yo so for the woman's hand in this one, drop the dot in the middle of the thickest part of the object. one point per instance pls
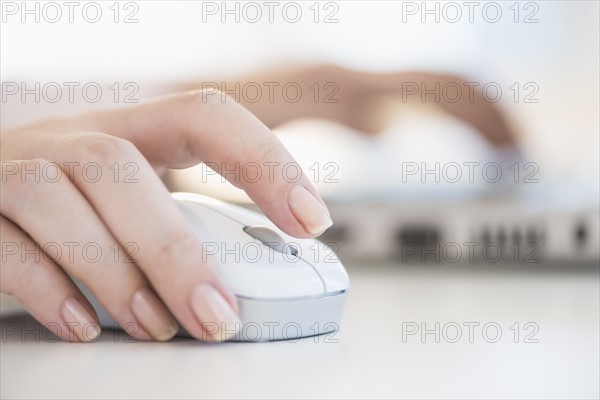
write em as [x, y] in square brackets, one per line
[351, 97]
[83, 196]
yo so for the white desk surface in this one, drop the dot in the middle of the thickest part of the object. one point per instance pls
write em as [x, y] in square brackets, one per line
[369, 359]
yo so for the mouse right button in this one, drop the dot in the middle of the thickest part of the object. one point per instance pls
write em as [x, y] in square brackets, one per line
[328, 266]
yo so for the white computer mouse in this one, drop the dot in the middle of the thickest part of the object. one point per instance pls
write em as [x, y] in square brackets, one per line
[287, 288]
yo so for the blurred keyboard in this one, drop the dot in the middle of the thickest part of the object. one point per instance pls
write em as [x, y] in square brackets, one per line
[494, 231]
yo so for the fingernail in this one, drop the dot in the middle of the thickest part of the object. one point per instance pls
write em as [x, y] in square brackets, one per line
[153, 315]
[79, 319]
[313, 216]
[218, 318]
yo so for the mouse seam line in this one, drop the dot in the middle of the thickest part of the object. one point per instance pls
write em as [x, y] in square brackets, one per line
[301, 298]
[316, 272]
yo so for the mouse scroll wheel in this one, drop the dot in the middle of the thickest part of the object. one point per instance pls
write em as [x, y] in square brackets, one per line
[270, 238]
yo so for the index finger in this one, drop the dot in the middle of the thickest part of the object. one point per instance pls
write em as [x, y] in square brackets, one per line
[184, 129]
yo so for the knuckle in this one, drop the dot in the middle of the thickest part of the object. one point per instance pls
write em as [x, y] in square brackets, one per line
[103, 149]
[204, 100]
[175, 246]
[268, 151]
[33, 272]
[206, 97]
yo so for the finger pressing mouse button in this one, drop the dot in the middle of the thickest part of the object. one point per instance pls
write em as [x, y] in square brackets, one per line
[270, 238]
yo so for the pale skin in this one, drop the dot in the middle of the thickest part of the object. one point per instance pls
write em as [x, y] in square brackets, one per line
[165, 280]
[351, 98]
